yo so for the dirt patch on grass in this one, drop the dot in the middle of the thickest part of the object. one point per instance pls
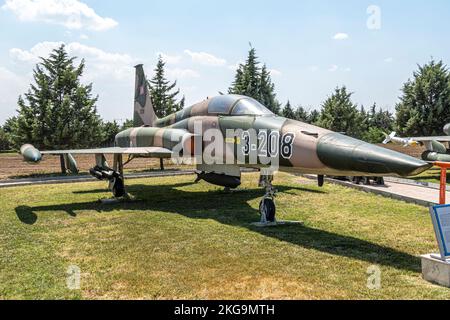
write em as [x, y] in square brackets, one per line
[12, 166]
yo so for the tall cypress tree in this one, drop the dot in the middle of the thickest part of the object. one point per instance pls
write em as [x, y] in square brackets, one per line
[58, 111]
[255, 81]
[161, 89]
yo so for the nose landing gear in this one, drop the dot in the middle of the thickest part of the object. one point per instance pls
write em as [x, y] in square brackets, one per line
[267, 208]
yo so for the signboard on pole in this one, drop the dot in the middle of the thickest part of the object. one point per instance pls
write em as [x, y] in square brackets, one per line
[440, 215]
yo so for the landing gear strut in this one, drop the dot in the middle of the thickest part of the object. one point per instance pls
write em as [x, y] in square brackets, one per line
[267, 207]
[114, 175]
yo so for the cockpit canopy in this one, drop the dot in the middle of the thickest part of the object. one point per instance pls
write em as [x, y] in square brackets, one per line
[236, 105]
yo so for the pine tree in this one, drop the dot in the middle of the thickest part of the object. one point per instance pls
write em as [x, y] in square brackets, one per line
[267, 94]
[254, 81]
[301, 114]
[237, 87]
[163, 96]
[288, 112]
[109, 132]
[379, 122]
[313, 117]
[127, 124]
[424, 106]
[4, 140]
[57, 111]
[340, 114]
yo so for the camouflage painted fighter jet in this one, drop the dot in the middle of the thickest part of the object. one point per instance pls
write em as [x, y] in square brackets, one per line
[437, 147]
[229, 132]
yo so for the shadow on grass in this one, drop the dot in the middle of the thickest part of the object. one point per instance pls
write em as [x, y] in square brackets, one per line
[233, 209]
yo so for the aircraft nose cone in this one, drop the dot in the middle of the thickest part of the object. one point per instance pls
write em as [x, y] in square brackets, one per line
[341, 152]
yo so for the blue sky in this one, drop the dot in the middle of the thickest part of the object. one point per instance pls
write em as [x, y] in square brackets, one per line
[310, 46]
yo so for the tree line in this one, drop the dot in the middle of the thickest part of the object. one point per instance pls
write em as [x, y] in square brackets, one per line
[59, 111]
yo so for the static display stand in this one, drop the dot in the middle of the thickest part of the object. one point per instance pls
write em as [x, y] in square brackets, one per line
[440, 215]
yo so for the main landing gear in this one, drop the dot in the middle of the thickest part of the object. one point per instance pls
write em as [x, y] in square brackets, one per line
[114, 175]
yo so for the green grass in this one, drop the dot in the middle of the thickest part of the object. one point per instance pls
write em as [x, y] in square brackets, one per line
[431, 175]
[185, 240]
[7, 153]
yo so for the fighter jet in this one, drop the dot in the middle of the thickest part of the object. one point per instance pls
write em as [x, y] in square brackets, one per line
[436, 147]
[226, 133]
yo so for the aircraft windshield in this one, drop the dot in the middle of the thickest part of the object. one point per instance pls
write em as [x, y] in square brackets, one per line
[248, 106]
[222, 104]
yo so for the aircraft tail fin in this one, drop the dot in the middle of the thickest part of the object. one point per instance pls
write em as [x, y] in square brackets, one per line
[144, 113]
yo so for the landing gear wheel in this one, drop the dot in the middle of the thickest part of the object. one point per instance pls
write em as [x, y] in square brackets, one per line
[267, 209]
[118, 188]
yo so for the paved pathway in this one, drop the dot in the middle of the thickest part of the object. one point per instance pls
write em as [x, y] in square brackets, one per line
[401, 189]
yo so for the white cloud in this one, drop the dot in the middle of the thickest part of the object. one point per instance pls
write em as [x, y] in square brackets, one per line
[389, 60]
[99, 63]
[313, 68]
[169, 59]
[341, 36]
[84, 36]
[71, 14]
[333, 68]
[347, 69]
[11, 86]
[178, 73]
[205, 58]
[42, 49]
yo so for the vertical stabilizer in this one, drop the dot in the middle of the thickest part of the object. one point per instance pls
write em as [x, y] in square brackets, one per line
[144, 114]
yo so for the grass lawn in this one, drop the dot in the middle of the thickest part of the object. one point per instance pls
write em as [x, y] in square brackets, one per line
[185, 240]
[431, 175]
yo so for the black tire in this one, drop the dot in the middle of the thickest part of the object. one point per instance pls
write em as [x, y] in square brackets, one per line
[267, 207]
[118, 188]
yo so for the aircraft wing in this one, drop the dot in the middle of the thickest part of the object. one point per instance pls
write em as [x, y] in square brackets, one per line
[155, 152]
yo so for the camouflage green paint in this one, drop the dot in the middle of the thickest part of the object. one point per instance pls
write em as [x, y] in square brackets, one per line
[315, 150]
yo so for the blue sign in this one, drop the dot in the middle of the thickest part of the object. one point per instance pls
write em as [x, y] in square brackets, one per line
[440, 215]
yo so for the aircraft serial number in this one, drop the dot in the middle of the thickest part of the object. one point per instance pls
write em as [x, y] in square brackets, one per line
[268, 144]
